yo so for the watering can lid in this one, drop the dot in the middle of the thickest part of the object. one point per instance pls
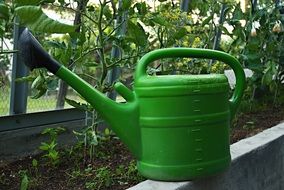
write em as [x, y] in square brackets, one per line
[181, 80]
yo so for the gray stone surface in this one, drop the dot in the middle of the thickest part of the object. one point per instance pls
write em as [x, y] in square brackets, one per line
[257, 164]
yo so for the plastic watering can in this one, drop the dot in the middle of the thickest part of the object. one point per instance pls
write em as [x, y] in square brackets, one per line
[176, 126]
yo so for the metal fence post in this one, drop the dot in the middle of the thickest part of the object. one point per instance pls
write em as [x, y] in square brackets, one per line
[19, 90]
[114, 73]
[218, 33]
[217, 38]
[184, 5]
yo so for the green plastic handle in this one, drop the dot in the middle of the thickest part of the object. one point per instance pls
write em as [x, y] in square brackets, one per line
[198, 53]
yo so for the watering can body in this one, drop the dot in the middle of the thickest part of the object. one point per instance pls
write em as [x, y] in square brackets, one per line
[185, 119]
[184, 123]
[176, 126]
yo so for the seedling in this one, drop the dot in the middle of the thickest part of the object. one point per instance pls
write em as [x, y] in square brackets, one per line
[49, 147]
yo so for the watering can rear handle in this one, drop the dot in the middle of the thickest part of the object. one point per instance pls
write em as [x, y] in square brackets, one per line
[198, 53]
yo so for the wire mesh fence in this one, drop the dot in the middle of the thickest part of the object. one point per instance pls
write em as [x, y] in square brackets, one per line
[5, 73]
[4, 98]
[47, 102]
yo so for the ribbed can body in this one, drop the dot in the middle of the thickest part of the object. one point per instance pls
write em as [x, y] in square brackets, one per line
[184, 126]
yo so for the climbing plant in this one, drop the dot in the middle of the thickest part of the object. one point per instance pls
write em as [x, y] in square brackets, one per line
[253, 34]
[257, 41]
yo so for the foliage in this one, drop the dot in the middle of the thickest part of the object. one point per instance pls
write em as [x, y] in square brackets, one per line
[34, 18]
[24, 180]
[49, 148]
[258, 43]
[102, 179]
[4, 18]
[88, 138]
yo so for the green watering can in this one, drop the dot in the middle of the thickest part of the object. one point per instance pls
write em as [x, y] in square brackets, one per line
[176, 126]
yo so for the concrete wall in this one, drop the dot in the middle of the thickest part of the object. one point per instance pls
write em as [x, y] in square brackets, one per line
[19, 143]
[257, 164]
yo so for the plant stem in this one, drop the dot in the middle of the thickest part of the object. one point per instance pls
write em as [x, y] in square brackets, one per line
[101, 44]
[84, 54]
[77, 21]
[117, 27]
[76, 11]
[125, 58]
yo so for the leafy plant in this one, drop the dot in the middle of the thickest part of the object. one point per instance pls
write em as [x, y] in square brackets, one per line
[88, 136]
[129, 172]
[34, 18]
[103, 178]
[24, 180]
[50, 147]
[249, 125]
[258, 42]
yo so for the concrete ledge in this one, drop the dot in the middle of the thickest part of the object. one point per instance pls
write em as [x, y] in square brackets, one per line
[16, 144]
[257, 163]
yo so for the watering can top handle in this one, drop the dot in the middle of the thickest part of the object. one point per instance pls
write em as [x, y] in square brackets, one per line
[197, 53]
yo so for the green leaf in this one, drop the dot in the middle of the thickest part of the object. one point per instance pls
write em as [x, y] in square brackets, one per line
[35, 19]
[61, 2]
[19, 3]
[34, 163]
[52, 145]
[269, 73]
[137, 33]
[90, 8]
[4, 11]
[225, 30]
[238, 14]
[56, 44]
[78, 133]
[47, 131]
[107, 12]
[160, 20]
[48, 1]
[141, 8]
[107, 131]
[44, 146]
[29, 78]
[91, 64]
[24, 182]
[79, 105]
[126, 4]
[38, 82]
[39, 86]
[207, 20]
[180, 33]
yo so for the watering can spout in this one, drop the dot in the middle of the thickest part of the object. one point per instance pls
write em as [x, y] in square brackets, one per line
[122, 117]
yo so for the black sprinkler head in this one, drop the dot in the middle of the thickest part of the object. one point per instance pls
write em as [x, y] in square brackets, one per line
[33, 55]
